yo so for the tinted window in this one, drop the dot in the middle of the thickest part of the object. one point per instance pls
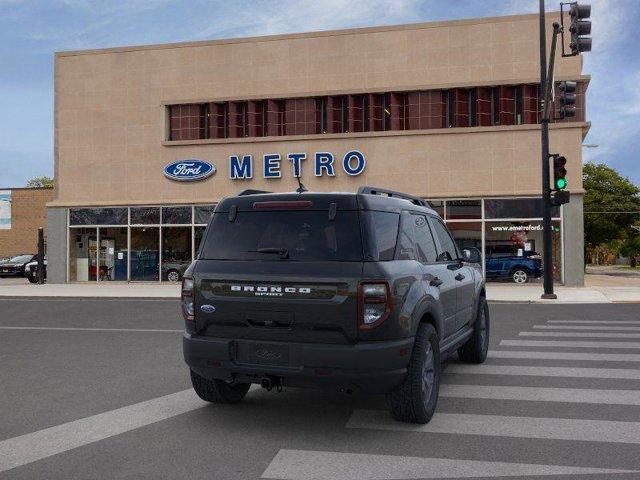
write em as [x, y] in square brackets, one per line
[406, 239]
[447, 247]
[463, 209]
[426, 247]
[145, 215]
[384, 230]
[98, 216]
[203, 213]
[176, 215]
[305, 235]
[516, 208]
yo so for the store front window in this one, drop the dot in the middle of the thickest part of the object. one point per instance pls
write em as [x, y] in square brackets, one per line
[146, 243]
[176, 252]
[514, 251]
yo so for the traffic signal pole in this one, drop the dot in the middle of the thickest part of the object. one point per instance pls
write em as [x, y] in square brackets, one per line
[547, 259]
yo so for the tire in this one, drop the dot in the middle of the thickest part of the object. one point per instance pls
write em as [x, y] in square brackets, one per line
[173, 276]
[520, 275]
[218, 391]
[415, 399]
[475, 350]
[32, 279]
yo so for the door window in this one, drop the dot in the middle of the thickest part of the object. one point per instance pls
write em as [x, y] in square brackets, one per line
[447, 250]
[425, 245]
[406, 240]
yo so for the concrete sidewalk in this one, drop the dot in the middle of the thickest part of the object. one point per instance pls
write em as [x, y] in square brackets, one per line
[496, 292]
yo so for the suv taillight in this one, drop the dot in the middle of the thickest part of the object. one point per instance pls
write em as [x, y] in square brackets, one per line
[187, 299]
[374, 304]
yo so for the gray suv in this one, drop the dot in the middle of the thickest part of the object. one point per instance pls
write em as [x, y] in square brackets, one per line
[359, 292]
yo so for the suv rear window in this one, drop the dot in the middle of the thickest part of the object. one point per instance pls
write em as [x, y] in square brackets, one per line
[305, 235]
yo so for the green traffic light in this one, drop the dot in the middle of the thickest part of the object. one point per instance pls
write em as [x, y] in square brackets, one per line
[561, 183]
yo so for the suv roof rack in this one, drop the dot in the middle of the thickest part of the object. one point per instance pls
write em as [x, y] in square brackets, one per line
[391, 193]
[251, 191]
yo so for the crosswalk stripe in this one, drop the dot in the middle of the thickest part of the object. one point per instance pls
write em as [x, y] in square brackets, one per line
[599, 322]
[560, 343]
[34, 446]
[586, 357]
[581, 334]
[322, 465]
[588, 327]
[504, 426]
[537, 394]
[622, 373]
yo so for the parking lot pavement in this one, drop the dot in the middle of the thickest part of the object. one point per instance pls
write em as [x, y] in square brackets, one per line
[97, 389]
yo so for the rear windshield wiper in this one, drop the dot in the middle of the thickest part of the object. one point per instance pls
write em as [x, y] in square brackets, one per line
[283, 252]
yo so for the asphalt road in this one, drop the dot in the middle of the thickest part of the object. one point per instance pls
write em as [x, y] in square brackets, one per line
[96, 389]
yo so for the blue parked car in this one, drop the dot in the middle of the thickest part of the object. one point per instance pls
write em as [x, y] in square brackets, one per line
[519, 269]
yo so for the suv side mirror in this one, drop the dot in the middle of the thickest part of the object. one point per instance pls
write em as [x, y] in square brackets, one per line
[471, 255]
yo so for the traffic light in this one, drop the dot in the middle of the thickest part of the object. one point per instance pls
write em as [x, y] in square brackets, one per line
[559, 198]
[580, 26]
[567, 98]
[559, 172]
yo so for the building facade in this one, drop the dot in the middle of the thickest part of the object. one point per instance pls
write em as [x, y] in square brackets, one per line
[22, 212]
[447, 111]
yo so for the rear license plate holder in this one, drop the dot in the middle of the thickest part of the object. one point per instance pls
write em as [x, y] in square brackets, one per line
[264, 353]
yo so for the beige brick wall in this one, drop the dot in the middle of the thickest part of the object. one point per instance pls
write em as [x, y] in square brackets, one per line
[110, 113]
[28, 212]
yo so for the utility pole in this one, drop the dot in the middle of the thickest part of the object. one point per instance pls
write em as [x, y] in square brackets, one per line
[547, 258]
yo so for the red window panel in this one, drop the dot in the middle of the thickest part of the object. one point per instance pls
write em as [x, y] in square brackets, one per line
[275, 118]
[506, 105]
[426, 110]
[530, 104]
[460, 107]
[256, 110]
[580, 104]
[336, 114]
[217, 120]
[236, 119]
[187, 122]
[483, 107]
[356, 109]
[376, 117]
[300, 116]
[396, 111]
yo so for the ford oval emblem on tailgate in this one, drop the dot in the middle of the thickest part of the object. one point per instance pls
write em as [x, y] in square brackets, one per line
[207, 308]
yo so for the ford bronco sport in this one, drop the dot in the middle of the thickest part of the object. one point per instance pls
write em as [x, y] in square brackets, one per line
[357, 292]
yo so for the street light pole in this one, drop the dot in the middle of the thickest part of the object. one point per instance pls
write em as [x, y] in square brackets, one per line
[547, 261]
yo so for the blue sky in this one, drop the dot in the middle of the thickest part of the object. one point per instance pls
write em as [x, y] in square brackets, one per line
[31, 30]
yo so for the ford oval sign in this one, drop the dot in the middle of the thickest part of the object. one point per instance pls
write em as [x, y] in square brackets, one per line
[189, 170]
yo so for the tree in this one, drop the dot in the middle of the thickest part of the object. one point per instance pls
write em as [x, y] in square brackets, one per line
[611, 205]
[631, 246]
[40, 182]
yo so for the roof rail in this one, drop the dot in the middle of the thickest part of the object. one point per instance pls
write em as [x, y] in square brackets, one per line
[250, 191]
[366, 190]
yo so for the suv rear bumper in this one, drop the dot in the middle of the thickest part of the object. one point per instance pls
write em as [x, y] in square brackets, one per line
[368, 367]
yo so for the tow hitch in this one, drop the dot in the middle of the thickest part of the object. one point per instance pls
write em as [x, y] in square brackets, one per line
[271, 382]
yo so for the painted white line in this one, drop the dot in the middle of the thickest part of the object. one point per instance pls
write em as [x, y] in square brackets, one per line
[537, 394]
[31, 447]
[587, 327]
[554, 343]
[622, 373]
[82, 329]
[599, 322]
[503, 426]
[317, 465]
[581, 334]
[585, 357]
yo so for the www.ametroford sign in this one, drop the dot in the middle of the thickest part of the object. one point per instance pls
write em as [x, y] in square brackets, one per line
[241, 167]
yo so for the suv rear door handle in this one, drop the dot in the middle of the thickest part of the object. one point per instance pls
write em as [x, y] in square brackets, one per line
[459, 277]
[435, 282]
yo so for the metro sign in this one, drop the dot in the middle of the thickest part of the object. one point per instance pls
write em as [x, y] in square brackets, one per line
[241, 167]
